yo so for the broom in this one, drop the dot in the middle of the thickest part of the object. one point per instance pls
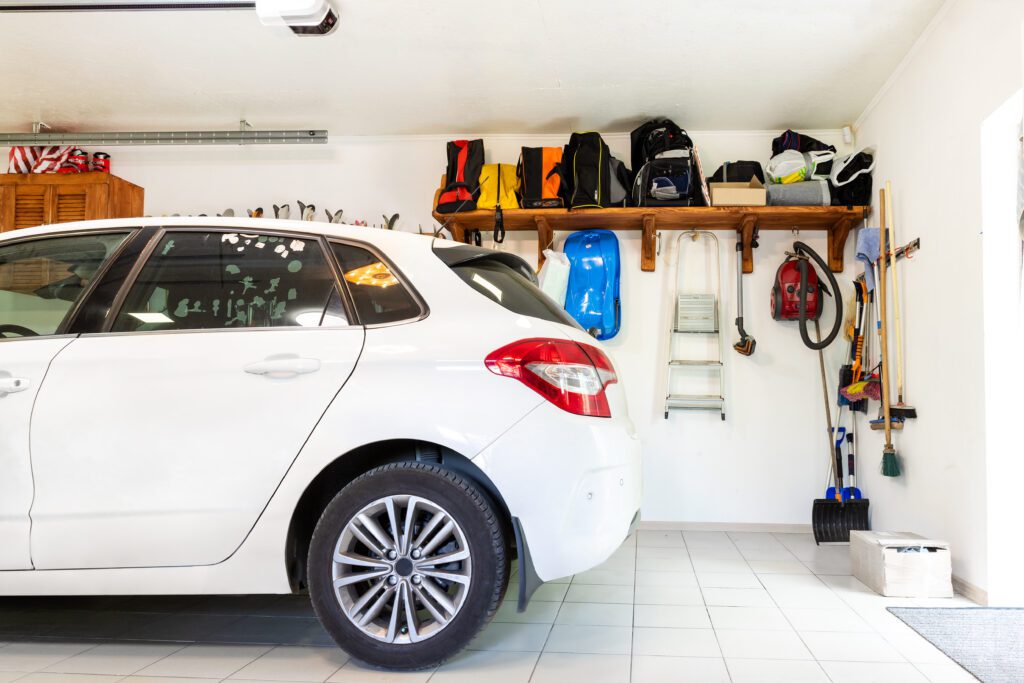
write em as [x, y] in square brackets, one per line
[900, 410]
[890, 465]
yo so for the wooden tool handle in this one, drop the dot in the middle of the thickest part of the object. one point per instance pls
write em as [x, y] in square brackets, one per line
[883, 256]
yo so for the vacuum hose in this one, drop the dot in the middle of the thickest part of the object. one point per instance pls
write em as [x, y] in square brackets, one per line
[802, 248]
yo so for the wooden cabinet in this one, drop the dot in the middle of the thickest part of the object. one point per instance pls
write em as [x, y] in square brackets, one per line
[29, 199]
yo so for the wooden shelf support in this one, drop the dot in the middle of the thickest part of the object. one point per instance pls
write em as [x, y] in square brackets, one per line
[458, 232]
[837, 243]
[648, 245]
[748, 224]
[545, 238]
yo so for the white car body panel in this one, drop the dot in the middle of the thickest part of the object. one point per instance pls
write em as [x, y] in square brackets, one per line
[422, 380]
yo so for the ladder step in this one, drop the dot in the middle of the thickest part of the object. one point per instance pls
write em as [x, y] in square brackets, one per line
[703, 402]
[677, 331]
[697, 363]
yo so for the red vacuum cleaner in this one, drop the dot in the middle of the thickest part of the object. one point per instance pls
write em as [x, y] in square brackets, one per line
[799, 294]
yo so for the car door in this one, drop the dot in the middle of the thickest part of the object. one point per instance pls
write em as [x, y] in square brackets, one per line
[42, 280]
[159, 441]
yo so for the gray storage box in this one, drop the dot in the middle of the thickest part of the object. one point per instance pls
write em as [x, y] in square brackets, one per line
[900, 564]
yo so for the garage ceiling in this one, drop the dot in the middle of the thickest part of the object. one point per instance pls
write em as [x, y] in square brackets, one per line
[397, 67]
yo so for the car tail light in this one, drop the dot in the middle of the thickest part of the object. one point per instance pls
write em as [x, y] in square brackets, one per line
[570, 375]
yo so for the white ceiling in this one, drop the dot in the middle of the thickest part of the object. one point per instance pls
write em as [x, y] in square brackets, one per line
[406, 67]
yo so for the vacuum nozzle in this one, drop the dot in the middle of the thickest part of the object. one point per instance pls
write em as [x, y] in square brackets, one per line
[745, 346]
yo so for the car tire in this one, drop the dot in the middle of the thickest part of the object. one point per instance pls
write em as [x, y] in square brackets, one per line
[361, 512]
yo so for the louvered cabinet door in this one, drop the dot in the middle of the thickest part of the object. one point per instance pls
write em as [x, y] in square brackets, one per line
[29, 205]
[79, 203]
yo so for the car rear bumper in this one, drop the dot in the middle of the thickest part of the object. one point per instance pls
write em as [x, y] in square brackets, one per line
[573, 483]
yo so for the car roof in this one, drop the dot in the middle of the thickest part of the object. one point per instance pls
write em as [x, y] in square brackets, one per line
[377, 236]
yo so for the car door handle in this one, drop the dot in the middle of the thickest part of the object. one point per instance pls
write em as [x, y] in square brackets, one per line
[279, 367]
[11, 385]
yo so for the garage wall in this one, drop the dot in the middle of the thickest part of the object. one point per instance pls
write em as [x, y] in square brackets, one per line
[764, 464]
[927, 126]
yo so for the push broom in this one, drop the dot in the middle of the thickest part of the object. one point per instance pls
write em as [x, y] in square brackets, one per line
[901, 410]
[890, 464]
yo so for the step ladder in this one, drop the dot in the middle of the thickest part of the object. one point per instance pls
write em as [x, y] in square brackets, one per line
[696, 311]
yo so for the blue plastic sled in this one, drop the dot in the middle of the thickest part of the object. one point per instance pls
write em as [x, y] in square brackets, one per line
[593, 294]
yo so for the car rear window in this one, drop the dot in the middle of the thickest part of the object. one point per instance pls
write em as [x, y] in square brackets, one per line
[506, 280]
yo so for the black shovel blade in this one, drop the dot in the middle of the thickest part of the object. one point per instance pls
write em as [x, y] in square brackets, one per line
[833, 521]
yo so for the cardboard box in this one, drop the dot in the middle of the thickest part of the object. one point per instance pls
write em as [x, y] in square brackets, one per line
[882, 561]
[739, 194]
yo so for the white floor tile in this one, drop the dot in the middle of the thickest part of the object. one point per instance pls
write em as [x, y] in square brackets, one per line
[290, 663]
[806, 597]
[670, 616]
[9, 676]
[842, 620]
[946, 672]
[35, 656]
[775, 671]
[913, 647]
[716, 552]
[357, 672]
[705, 538]
[657, 578]
[668, 595]
[49, 677]
[548, 592]
[675, 552]
[660, 539]
[611, 594]
[602, 640]
[851, 647]
[647, 669]
[873, 672]
[741, 644]
[778, 554]
[595, 614]
[205, 661]
[805, 581]
[115, 658]
[603, 577]
[492, 667]
[748, 618]
[737, 597]
[168, 679]
[778, 567]
[558, 667]
[734, 580]
[664, 564]
[512, 637]
[703, 565]
[675, 642]
[536, 612]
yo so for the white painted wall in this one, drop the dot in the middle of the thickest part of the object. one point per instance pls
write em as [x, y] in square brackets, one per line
[764, 464]
[927, 125]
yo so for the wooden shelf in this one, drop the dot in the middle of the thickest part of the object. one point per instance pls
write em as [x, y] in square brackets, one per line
[837, 221]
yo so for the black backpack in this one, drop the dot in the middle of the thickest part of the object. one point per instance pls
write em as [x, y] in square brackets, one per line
[594, 179]
[790, 139]
[666, 168]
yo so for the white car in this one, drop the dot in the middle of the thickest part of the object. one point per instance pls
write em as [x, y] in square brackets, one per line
[203, 405]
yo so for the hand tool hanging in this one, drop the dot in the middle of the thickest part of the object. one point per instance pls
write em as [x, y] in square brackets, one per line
[746, 344]
[901, 409]
[890, 463]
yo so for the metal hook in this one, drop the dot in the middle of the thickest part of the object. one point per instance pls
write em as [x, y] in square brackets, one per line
[796, 232]
[658, 251]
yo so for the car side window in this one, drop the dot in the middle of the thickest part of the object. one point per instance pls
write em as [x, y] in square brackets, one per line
[41, 280]
[379, 296]
[199, 280]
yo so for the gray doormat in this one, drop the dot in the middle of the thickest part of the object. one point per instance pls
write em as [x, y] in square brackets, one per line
[987, 641]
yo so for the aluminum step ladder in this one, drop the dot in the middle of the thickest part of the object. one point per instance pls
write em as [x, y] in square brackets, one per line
[697, 311]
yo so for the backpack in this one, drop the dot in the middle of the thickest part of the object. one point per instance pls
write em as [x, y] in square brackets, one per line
[540, 178]
[738, 172]
[804, 143]
[666, 169]
[498, 187]
[851, 178]
[594, 177]
[465, 161]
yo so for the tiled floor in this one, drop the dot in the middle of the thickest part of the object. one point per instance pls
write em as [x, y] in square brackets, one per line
[667, 607]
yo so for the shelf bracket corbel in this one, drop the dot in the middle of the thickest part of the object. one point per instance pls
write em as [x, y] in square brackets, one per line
[545, 238]
[837, 235]
[648, 244]
[748, 226]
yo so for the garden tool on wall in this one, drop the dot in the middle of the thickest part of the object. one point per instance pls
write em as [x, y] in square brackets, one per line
[334, 217]
[746, 344]
[890, 463]
[284, 212]
[901, 409]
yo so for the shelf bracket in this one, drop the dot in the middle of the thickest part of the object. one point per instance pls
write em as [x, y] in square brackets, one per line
[458, 232]
[837, 243]
[648, 245]
[748, 226]
[545, 238]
